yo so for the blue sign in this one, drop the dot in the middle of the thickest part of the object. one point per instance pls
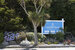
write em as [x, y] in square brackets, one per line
[53, 26]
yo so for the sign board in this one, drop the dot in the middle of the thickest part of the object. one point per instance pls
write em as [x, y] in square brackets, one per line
[53, 26]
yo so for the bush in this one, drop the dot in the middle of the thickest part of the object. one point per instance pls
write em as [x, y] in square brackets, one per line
[55, 42]
[49, 43]
[1, 37]
[60, 36]
[40, 38]
[73, 39]
[20, 37]
[51, 36]
[30, 36]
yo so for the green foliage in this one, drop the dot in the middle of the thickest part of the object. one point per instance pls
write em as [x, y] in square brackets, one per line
[9, 20]
[30, 36]
[2, 9]
[35, 14]
[64, 9]
[20, 37]
[49, 43]
[60, 36]
[55, 42]
[72, 0]
[13, 17]
[2, 1]
[1, 37]
[52, 36]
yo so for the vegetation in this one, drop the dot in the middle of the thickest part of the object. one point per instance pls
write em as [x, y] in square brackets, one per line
[36, 15]
[12, 15]
[59, 36]
[64, 9]
[29, 36]
[49, 43]
[56, 43]
[15, 17]
[1, 37]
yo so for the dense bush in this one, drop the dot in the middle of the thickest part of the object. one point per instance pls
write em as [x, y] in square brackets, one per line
[60, 36]
[20, 37]
[30, 36]
[73, 39]
[51, 36]
[1, 37]
[55, 42]
[49, 43]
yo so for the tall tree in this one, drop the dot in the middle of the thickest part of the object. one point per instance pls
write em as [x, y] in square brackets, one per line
[9, 20]
[64, 9]
[36, 13]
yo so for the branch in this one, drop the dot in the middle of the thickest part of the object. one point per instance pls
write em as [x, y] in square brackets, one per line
[38, 24]
[41, 7]
[35, 2]
[38, 7]
[24, 6]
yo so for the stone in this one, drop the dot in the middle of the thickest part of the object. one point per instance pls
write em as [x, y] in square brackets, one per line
[5, 43]
[25, 42]
[12, 43]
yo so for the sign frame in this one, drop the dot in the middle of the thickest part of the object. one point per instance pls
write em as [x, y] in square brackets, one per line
[53, 21]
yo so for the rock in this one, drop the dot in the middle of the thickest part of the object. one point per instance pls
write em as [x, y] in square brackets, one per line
[12, 43]
[25, 42]
[5, 43]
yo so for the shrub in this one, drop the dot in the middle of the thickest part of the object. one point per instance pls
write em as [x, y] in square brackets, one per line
[60, 36]
[49, 43]
[73, 39]
[51, 36]
[20, 37]
[55, 42]
[29, 35]
[40, 38]
[1, 37]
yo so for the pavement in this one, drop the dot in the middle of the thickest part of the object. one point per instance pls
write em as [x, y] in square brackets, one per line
[42, 47]
[38, 49]
[56, 45]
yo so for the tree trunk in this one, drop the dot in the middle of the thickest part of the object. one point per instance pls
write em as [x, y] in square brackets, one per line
[35, 35]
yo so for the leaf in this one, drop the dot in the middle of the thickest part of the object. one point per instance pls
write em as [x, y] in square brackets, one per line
[2, 1]
[72, 0]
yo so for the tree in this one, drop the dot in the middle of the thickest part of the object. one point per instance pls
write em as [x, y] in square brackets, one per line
[64, 9]
[9, 20]
[37, 14]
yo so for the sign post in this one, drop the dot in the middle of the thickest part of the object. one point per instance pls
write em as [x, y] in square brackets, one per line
[53, 26]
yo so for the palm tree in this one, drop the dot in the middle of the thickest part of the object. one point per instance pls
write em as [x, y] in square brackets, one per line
[38, 16]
